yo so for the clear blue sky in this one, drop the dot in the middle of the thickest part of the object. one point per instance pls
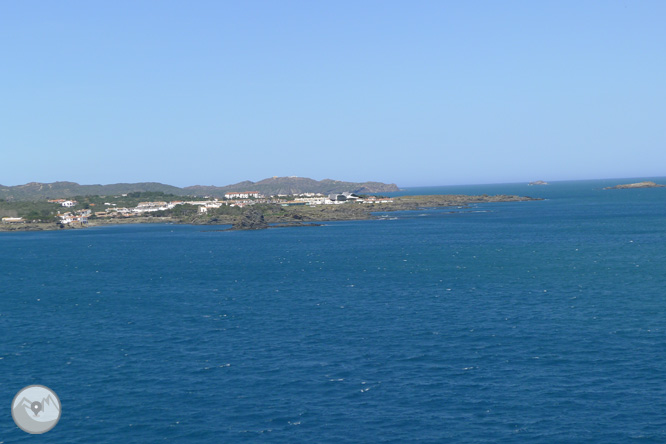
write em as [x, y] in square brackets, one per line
[411, 92]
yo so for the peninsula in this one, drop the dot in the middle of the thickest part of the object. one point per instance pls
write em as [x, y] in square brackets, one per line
[243, 210]
[647, 184]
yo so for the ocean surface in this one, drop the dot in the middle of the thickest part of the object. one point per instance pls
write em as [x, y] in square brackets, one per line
[529, 322]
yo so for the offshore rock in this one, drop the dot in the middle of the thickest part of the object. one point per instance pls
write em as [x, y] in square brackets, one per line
[647, 184]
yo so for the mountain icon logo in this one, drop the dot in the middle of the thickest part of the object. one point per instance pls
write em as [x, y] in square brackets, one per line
[36, 409]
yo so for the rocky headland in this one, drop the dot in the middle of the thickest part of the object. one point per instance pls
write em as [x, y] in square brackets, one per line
[250, 220]
[261, 216]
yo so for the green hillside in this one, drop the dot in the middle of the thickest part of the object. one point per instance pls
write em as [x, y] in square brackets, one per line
[275, 185]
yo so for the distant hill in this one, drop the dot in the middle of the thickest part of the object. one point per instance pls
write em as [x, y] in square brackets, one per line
[294, 185]
[58, 190]
[274, 185]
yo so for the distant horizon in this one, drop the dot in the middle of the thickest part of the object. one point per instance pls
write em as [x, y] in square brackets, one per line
[549, 181]
[626, 178]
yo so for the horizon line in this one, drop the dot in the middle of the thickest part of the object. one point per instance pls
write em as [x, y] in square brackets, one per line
[364, 181]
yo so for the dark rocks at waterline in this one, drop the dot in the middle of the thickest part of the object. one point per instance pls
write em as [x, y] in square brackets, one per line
[251, 220]
[295, 224]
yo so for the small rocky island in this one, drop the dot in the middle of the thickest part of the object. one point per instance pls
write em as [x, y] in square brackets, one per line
[538, 182]
[647, 184]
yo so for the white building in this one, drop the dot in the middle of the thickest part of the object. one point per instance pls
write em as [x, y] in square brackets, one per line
[68, 203]
[243, 195]
[66, 218]
[313, 200]
[145, 207]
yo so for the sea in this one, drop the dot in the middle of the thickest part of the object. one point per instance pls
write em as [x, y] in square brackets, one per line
[524, 322]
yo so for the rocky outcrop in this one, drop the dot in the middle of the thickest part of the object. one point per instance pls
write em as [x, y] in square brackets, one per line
[646, 184]
[250, 220]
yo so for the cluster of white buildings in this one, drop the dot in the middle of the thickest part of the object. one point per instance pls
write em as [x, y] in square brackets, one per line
[243, 195]
[148, 207]
[351, 197]
[335, 199]
[376, 200]
[142, 207]
[233, 199]
[78, 216]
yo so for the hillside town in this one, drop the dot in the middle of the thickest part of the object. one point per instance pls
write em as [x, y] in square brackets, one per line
[71, 215]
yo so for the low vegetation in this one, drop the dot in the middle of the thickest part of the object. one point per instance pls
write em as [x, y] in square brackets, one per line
[46, 213]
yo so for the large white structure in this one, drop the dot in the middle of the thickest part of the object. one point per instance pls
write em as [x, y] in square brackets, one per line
[147, 207]
[243, 195]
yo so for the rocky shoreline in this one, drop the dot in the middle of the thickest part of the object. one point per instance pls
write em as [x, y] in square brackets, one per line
[273, 216]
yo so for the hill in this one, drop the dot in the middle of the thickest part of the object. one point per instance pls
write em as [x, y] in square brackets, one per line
[59, 190]
[294, 185]
[274, 185]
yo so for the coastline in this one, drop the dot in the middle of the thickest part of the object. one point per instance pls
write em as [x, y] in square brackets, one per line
[44, 226]
[288, 216]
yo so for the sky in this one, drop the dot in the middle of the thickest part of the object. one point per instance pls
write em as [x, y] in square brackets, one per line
[409, 92]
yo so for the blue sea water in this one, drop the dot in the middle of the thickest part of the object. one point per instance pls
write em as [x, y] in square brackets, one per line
[536, 322]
